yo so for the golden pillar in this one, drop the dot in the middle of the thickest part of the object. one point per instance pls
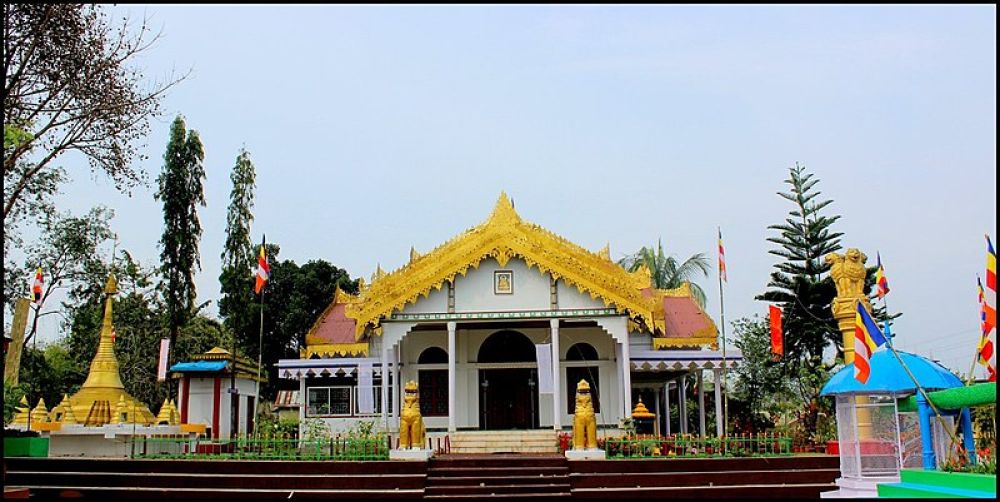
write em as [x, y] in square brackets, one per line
[848, 273]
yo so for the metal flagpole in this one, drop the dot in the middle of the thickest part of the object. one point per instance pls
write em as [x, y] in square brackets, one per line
[975, 356]
[725, 392]
[923, 392]
[260, 340]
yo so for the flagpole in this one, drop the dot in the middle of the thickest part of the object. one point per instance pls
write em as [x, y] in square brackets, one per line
[975, 355]
[923, 392]
[725, 392]
[260, 341]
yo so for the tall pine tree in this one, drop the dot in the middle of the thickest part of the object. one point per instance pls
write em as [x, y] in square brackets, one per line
[801, 283]
[238, 257]
[181, 190]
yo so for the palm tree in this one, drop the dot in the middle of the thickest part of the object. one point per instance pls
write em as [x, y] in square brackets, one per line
[667, 273]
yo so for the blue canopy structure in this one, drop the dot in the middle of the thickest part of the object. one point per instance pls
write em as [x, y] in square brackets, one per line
[199, 366]
[889, 377]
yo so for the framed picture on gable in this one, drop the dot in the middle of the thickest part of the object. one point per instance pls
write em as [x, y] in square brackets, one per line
[503, 282]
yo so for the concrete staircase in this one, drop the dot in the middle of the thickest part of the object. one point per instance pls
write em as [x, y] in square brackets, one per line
[515, 477]
[533, 441]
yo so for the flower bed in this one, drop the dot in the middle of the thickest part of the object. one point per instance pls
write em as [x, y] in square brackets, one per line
[690, 446]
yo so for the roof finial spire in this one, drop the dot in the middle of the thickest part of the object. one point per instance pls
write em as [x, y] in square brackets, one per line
[503, 211]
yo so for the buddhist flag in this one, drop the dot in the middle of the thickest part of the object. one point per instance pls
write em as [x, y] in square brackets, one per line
[882, 285]
[722, 259]
[36, 288]
[263, 269]
[867, 339]
[984, 349]
[777, 341]
[988, 351]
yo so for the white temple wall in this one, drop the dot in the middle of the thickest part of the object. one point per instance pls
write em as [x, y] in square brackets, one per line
[474, 291]
[201, 402]
[435, 302]
[568, 297]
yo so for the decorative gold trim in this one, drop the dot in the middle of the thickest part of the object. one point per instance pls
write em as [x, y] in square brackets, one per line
[336, 349]
[680, 343]
[503, 236]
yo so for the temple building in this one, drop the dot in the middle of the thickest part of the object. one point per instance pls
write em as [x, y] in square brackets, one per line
[498, 325]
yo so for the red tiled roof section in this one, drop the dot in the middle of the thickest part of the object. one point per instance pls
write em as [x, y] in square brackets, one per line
[335, 327]
[683, 317]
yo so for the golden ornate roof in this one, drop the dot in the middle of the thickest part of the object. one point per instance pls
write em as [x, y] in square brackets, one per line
[503, 236]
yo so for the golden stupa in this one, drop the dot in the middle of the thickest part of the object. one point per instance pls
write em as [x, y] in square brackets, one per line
[103, 393]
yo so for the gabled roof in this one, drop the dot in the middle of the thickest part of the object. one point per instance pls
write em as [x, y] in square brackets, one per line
[503, 236]
[333, 332]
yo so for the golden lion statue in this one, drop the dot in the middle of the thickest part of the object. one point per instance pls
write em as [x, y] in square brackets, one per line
[411, 423]
[584, 423]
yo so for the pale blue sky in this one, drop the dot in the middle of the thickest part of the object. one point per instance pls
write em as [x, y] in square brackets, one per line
[374, 128]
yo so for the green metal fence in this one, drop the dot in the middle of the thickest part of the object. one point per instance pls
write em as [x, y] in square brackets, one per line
[335, 448]
[690, 446]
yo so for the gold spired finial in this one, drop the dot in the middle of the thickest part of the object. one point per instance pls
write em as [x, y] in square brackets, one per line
[413, 254]
[111, 287]
[503, 212]
[605, 251]
[104, 381]
[378, 273]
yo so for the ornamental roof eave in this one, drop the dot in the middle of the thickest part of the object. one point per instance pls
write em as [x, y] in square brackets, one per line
[502, 236]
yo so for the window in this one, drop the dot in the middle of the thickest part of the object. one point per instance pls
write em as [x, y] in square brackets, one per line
[433, 355]
[342, 400]
[433, 386]
[573, 377]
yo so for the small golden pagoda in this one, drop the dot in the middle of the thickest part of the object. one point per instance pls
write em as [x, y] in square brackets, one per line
[103, 391]
[640, 411]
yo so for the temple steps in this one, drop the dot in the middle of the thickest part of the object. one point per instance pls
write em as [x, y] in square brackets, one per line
[534, 441]
[738, 478]
[520, 477]
[122, 479]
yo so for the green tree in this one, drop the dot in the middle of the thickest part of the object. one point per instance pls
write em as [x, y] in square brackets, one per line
[667, 272]
[71, 84]
[801, 284]
[181, 190]
[294, 298]
[67, 251]
[761, 385]
[238, 257]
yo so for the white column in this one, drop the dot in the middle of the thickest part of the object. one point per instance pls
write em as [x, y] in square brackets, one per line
[717, 373]
[396, 385]
[556, 377]
[385, 385]
[451, 377]
[701, 403]
[627, 373]
[656, 424]
[302, 402]
[682, 396]
[666, 402]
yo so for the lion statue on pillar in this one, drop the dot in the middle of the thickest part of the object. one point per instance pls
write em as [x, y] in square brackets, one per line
[584, 422]
[411, 423]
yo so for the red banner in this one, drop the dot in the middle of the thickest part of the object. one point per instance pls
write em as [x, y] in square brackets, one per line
[777, 342]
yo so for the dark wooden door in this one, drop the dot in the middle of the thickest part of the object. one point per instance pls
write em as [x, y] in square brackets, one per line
[507, 399]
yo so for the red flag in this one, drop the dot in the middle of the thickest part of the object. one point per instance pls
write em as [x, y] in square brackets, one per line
[722, 259]
[777, 341]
